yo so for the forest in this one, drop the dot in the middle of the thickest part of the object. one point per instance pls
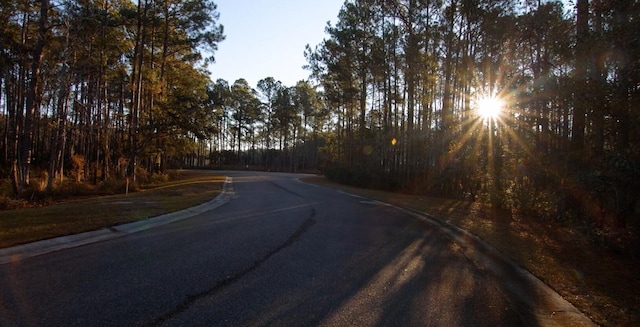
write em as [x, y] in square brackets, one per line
[96, 91]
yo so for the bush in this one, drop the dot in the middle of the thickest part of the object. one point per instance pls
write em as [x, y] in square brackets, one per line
[77, 161]
[113, 185]
[69, 187]
[159, 178]
[174, 174]
[142, 175]
[6, 190]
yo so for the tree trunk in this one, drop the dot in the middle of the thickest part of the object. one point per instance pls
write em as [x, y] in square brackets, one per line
[137, 95]
[580, 106]
[13, 129]
[26, 137]
[56, 160]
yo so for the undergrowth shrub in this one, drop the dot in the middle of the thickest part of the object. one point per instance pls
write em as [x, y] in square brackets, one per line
[6, 190]
[173, 174]
[113, 185]
[77, 162]
[142, 175]
[361, 177]
[157, 178]
[69, 188]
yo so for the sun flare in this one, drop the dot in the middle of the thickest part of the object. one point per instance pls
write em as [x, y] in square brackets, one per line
[489, 107]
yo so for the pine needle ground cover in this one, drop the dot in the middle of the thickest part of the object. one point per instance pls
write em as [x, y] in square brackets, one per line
[602, 284]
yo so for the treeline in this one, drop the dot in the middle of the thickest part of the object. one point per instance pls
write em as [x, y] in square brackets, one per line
[96, 89]
[99, 90]
[274, 127]
[404, 78]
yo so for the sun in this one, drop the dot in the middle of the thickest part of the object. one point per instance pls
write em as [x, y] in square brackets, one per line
[489, 107]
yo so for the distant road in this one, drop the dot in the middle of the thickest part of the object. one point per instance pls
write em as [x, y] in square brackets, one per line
[280, 253]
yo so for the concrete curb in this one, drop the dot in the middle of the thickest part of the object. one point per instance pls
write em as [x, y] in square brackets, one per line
[23, 251]
[531, 292]
[553, 309]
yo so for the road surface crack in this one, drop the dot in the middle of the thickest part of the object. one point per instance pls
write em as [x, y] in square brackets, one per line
[184, 306]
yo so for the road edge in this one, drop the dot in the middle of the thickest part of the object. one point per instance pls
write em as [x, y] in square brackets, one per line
[23, 251]
[557, 310]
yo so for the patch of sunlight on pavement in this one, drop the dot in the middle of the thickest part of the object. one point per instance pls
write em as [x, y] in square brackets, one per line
[367, 304]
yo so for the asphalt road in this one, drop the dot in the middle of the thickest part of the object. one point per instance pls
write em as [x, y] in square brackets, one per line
[280, 253]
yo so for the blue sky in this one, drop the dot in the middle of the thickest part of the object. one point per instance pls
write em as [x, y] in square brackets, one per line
[267, 38]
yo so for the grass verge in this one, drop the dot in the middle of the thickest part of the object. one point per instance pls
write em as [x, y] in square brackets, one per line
[603, 285]
[20, 226]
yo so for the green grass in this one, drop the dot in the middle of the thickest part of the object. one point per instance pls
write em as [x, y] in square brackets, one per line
[19, 226]
[603, 285]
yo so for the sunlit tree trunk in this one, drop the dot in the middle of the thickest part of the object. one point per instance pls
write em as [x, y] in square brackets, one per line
[26, 139]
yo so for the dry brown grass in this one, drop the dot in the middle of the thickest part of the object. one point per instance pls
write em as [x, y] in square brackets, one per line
[603, 285]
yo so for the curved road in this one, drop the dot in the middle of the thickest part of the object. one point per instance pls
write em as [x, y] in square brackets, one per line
[280, 253]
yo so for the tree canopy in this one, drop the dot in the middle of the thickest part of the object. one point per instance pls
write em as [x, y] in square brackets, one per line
[403, 80]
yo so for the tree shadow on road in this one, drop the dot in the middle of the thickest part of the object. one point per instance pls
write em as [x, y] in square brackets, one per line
[394, 274]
